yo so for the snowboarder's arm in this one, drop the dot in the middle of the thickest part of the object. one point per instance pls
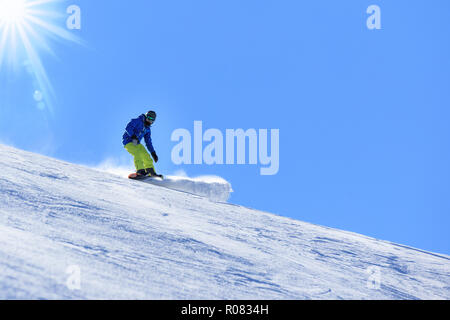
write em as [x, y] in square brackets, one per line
[148, 142]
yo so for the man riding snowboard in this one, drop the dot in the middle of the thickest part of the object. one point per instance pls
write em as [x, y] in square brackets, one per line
[136, 130]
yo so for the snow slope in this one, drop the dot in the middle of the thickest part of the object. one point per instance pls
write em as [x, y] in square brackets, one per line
[131, 240]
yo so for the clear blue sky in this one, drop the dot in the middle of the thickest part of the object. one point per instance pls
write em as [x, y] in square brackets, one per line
[363, 115]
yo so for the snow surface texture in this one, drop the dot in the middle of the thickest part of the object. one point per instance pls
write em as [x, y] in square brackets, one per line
[132, 240]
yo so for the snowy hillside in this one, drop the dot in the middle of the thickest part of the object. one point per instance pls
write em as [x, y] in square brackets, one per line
[131, 240]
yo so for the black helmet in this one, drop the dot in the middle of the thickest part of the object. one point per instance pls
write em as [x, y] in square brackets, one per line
[150, 117]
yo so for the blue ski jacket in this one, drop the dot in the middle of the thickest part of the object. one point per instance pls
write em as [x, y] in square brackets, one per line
[137, 129]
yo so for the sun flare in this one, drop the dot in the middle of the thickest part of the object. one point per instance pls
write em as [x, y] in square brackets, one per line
[12, 11]
[26, 26]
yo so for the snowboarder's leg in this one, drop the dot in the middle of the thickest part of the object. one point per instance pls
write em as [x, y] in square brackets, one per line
[134, 150]
[148, 163]
[146, 158]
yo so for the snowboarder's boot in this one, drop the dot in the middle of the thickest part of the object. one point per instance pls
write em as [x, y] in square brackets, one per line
[142, 172]
[150, 172]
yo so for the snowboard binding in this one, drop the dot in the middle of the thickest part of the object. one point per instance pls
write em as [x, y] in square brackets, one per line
[145, 174]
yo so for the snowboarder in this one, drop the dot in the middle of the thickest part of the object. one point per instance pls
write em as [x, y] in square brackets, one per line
[136, 130]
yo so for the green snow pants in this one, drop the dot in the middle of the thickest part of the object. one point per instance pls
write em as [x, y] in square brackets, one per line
[142, 159]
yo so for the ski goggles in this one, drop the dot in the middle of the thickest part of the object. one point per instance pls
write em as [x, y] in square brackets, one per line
[150, 119]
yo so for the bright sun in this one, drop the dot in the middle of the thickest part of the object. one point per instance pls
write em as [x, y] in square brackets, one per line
[25, 28]
[12, 11]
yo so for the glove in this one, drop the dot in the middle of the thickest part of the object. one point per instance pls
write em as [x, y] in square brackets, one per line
[155, 156]
[134, 140]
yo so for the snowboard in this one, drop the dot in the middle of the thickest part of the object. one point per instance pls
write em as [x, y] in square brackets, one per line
[135, 176]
